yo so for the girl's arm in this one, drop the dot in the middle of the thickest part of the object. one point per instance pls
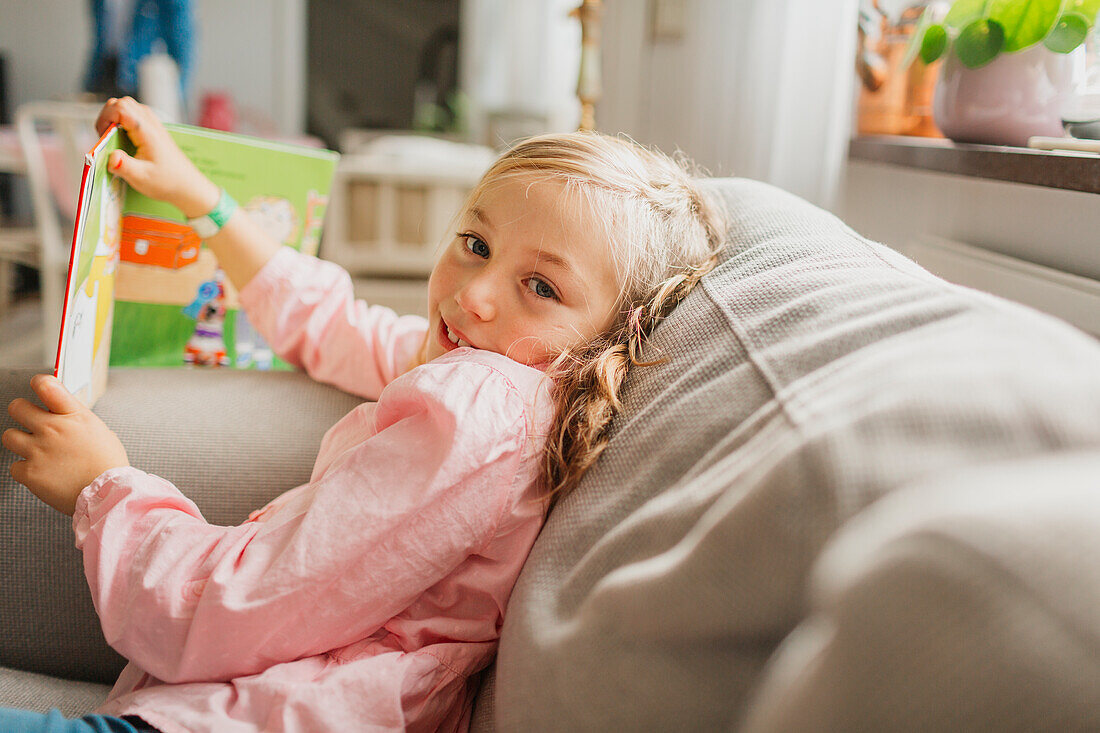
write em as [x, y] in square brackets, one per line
[307, 310]
[160, 170]
[384, 520]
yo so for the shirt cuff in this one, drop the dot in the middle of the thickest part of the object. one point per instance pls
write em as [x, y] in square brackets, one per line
[92, 495]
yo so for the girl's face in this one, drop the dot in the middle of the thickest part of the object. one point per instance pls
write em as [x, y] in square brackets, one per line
[527, 275]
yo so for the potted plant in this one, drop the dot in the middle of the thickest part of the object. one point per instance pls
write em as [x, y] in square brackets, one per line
[1009, 66]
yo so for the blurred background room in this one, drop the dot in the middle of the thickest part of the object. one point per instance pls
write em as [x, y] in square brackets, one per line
[419, 95]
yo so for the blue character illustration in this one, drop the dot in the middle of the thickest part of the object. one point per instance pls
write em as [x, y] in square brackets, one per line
[206, 347]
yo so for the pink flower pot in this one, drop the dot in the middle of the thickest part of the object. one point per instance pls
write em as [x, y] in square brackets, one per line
[1008, 100]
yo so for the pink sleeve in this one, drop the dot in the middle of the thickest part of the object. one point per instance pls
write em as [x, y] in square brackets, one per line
[307, 311]
[388, 518]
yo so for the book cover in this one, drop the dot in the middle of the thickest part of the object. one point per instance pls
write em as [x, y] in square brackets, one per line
[160, 298]
[83, 345]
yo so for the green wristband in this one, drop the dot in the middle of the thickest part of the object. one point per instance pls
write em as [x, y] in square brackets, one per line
[210, 224]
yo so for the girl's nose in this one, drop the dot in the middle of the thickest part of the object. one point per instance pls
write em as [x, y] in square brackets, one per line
[478, 297]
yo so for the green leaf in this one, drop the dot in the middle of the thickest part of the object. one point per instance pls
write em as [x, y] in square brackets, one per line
[917, 39]
[1069, 32]
[979, 43]
[934, 43]
[1025, 22]
[965, 12]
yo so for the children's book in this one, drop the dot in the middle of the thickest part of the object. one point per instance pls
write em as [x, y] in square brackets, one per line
[143, 290]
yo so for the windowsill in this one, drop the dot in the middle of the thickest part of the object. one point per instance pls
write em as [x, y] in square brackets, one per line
[1067, 170]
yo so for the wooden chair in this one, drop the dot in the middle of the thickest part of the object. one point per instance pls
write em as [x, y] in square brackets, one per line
[54, 136]
[18, 246]
[18, 243]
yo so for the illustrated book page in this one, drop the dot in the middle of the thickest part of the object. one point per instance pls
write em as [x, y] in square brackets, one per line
[173, 304]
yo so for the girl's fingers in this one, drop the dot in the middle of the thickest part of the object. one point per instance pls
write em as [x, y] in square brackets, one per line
[26, 413]
[134, 118]
[117, 112]
[107, 115]
[110, 114]
[17, 441]
[130, 169]
[54, 396]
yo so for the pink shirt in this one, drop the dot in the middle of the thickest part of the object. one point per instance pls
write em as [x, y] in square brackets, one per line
[363, 600]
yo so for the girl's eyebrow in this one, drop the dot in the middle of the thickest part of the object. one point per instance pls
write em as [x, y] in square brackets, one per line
[481, 216]
[556, 261]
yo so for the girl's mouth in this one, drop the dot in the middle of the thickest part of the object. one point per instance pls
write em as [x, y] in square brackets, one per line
[448, 338]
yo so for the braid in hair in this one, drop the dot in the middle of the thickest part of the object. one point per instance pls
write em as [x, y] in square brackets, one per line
[588, 379]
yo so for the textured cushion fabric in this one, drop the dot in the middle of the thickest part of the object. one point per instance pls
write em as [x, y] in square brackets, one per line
[229, 440]
[967, 604]
[42, 693]
[812, 373]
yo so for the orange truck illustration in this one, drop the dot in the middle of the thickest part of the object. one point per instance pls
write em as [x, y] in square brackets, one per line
[148, 240]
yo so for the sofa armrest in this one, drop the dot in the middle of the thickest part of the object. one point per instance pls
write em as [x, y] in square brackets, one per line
[964, 604]
[230, 440]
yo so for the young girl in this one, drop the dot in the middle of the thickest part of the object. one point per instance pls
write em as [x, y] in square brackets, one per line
[367, 598]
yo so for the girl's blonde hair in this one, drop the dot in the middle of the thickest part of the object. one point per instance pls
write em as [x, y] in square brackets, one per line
[664, 235]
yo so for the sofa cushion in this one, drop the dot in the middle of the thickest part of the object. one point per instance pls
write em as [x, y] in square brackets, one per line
[968, 604]
[812, 373]
[41, 693]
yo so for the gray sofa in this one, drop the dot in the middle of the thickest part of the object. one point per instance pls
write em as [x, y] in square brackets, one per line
[853, 497]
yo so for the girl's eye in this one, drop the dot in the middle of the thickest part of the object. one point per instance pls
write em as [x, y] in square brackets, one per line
[476, 245]
[541, 289]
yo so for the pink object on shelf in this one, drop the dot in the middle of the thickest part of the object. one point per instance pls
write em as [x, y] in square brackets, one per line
[217, 112]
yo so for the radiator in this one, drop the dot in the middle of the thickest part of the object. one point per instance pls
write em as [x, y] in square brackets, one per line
[1072, 298]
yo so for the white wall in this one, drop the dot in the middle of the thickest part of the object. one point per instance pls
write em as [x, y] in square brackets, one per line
[45, 44]
[255, 49]
[665, 91]
[757, 88]
[520, 56]
[725, 79]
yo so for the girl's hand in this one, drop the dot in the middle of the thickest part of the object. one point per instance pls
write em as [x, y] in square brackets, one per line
[160, 170]
[63, 449]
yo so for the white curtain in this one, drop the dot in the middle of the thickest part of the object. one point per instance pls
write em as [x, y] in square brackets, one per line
[520, 58]
[754, 88]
